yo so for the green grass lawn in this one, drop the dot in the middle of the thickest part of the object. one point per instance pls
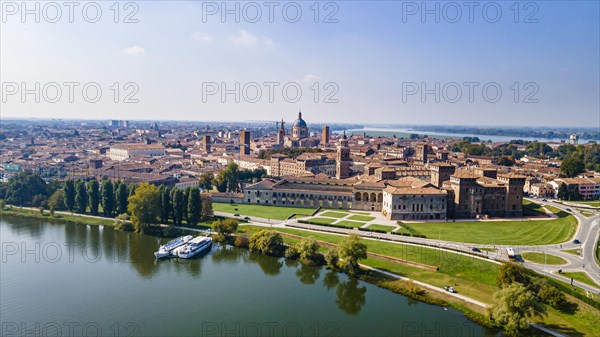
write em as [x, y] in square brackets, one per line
[491, 250]
[333, 214]
[517, 232]
[61, 217]
[349, 224]
[575, 251]
[325, 221]
[581, 277]
[587, 214]
[593, 203]
[475, 278]
[267, 212]
[531, 208]
[541, 259]
[381, 227]
[362, 218]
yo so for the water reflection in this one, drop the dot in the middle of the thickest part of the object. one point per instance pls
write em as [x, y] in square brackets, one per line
[350, 297]
[308, 274]
[331, 280]
[269, 265]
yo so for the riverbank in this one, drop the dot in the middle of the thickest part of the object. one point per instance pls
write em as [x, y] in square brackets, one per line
[82, 219]
[473, 278]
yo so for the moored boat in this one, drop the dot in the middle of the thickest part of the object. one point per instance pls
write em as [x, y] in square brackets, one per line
[196, 246]
[167, 249]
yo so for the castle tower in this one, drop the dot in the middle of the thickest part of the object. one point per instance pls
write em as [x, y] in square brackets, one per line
[342, 161]
[514, 193]
[440, 173]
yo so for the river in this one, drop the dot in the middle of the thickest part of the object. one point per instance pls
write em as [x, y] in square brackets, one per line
[74, 280]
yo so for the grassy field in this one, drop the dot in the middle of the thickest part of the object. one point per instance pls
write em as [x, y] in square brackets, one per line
[350, 224]
[381, 227]
[333, 214]
[267, 212]
[362, 218]
[531, 208]
[575, 251]
[587, 214]
[593, 203]
[581, 277]
[75, 218]
[517, 232]
[325, 221]
[541, 259]
[476, 278]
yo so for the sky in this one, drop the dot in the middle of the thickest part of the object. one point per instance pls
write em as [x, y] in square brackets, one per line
[535, 63]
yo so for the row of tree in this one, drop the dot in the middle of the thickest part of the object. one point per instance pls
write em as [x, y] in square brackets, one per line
[79, 195]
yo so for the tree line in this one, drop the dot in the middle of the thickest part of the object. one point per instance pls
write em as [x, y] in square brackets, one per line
[146, 204]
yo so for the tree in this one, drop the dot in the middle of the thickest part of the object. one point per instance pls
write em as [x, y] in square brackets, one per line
[144, 206]
[224, 228]
[515, 306]
[266, 242]
[26, 189]
[165, 204]
[571, 167]
[57, 200]
[308, 250]
[178, 206]
[194, 206]
[563, 192]
[81, 197]
[511, 272]
[69, 190]
[506, 160]
[121, 197]
[206, 211]
[93, 190]
[350, 250]
[186, 197]
[131, 189]
[332, 258]
[206, 180]
[108, 198]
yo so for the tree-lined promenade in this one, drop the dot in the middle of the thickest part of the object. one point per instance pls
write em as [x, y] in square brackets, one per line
[144, 204]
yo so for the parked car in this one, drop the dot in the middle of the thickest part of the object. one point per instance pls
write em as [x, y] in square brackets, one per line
[247, 218]
[544, 200]
[576, 242]
[236, 214]
[569, 210]
[449, 289]
[476, 250]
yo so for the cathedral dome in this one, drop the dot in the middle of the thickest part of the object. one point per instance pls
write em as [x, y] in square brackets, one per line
[300, 123]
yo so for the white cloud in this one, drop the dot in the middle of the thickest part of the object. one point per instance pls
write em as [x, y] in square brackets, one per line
[202, 36]
[246, 38]
[309, 78]
[133, 50]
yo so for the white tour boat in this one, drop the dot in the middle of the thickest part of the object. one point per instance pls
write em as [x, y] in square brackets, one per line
[166, 250]
[196, 246]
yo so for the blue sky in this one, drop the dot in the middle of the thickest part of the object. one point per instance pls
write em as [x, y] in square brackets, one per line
[369, 62]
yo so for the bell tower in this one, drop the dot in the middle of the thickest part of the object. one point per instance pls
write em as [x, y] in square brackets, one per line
[342, 160]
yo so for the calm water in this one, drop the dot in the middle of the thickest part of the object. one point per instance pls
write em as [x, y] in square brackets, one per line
[73, 280]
